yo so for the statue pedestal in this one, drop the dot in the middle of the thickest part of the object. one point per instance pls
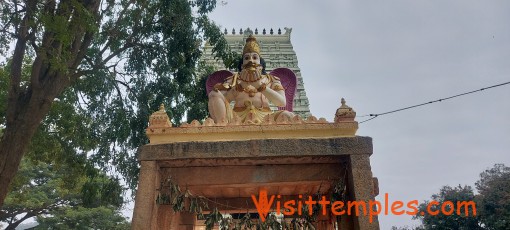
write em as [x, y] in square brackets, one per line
[229, 164]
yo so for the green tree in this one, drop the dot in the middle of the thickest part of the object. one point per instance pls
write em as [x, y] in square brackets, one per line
[57, 196]
[55, 177]
[492, 203]
[113, 61]
[100, 218]
[449, 221]
[494, 197]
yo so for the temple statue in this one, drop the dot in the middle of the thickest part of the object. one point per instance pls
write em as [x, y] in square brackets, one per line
[251, 89]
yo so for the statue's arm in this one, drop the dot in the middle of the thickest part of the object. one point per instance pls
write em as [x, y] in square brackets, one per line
[219, 99]
[275, 92]
[230, 94]
[225, 89]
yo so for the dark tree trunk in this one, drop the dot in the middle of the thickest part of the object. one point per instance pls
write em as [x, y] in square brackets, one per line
[27, 107]
[17, 136]
[14, 141]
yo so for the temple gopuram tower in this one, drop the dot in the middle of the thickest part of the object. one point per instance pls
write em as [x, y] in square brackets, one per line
[278, 52]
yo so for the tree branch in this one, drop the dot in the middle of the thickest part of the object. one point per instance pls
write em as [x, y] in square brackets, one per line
[17, 64]
[13, 225]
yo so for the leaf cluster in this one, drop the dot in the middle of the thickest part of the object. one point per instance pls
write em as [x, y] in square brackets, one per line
[101, 218]
[46, 191]
[171, 194]
[492, 204]
[454, 221]
[494, 197]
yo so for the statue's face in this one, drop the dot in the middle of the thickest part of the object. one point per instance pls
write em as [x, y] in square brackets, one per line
[251, 57]
[252, 70]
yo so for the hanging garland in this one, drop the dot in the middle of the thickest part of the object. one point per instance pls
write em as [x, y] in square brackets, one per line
[170, 193]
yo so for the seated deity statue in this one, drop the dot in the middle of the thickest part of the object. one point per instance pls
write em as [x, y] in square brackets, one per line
[251, 89]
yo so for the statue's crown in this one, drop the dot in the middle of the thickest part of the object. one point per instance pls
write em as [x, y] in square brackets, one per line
[251, 45]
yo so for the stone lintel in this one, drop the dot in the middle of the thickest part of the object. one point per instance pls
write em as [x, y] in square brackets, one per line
[279, 160]
[257, 149]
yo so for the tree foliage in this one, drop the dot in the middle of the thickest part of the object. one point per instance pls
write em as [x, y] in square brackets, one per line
[454, 220]
[100, 218]
[494, 197]
[52, 192]
[492, 204]
[55, 177]
[111, 62]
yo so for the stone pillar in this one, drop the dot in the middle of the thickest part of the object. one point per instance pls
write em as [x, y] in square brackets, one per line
[361, 189]
[145, 203]
[176, 220]
[168, 219]
[345, 222]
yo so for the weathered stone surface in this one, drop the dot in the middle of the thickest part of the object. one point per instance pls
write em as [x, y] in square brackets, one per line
[145, 209]
[258, 148]
[231, 171]
[361, 189]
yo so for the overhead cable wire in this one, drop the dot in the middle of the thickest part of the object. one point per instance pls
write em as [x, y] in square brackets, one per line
[373, 116]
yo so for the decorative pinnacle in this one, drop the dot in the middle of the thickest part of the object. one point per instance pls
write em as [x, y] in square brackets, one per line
[160, 119]
[344, 113]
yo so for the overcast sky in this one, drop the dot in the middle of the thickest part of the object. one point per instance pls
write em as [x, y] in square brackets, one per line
[384, 55]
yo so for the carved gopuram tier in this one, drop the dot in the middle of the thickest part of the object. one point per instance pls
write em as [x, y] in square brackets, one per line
[276, 49]
[213, 168]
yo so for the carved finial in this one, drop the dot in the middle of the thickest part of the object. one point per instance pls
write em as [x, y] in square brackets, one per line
[233, 31]
[241, 31]
[159, 119]
[271, 31]
[264, 31]
[279, 31]
[256, 31]
[225, 32]
[344, 113]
